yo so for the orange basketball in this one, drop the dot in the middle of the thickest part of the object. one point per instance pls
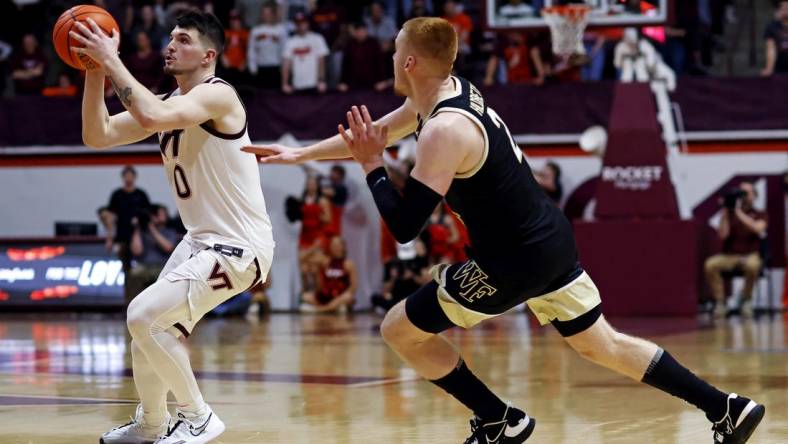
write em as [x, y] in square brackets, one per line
[67, 21]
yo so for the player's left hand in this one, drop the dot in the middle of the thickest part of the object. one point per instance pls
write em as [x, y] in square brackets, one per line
[97, 44]
[369, 140]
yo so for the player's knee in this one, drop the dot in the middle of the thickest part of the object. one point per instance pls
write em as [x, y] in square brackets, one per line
[710, 266]
[751, 268]
[394, 327]
[587, 351]
[599, 345]
[137, 320]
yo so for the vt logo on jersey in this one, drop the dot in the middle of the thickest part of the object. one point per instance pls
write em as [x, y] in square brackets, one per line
[473, 282]
[219, 275]
[173, 136]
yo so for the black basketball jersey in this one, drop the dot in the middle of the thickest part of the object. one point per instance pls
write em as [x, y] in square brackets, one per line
[517, 234]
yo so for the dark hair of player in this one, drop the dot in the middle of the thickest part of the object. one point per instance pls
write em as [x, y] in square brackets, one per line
[207, 24]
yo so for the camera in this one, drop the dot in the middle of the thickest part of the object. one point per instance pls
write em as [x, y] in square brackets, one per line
[732, 196]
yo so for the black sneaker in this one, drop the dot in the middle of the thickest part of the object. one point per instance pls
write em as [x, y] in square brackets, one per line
[514, 428]
[738, 423]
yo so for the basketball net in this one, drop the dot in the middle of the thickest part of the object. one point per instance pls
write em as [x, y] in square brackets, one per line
[567, 24]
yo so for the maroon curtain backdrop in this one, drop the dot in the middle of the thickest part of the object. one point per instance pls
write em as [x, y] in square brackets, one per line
[737, 104]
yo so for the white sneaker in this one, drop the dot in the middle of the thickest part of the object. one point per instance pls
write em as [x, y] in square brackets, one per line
[307, 308]
[194, 430]
[135, 432]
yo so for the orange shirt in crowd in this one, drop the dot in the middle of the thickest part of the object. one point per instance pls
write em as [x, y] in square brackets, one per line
[235, 47]
[463, 25]
[60, 91]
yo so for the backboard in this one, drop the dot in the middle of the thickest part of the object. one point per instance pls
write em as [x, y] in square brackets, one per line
[514, 14]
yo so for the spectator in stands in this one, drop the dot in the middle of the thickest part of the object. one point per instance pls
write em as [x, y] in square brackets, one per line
[594, 44]
[441, 233]
[125, 204]
[362, 63]
[521, 61]
[152, 241]
[160, 12]
[741, 229]
[463, 25]
[402, 10]
[329, 19]
[381, 26]
[682, 45]
[251, 11]
[315, 213]
[146, 63]
[293, 8]
[65, 87]
[337, 281]
[121, 10]
[235, 48]
[335, 190]
[266, 43]
[5, 57]
[516, 9]
[417, 8]
[549, 178]
[149, 24]
[777, 43]
[304, 67]
[315, 218]
[260, 303]
[403, 274]
[28, 67]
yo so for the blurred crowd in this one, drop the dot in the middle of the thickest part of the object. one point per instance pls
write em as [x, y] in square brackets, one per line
[313, 46]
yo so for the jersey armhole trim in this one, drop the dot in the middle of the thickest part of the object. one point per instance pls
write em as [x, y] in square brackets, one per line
[478, 166]
[216, 133]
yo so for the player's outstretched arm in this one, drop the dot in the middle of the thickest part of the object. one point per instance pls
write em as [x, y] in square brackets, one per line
[442, 151]
[204, 102]
[400, 122]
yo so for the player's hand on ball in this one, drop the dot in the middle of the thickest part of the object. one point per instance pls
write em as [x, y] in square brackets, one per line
[275, 153]
[97, 45]
[369, 140]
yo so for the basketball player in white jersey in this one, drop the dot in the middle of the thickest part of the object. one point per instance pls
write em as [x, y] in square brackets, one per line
[229, 246]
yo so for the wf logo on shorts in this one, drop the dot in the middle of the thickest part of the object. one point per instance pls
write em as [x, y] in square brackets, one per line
[473, 282]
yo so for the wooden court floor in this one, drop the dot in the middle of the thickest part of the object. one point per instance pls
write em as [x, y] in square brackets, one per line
[330, 379]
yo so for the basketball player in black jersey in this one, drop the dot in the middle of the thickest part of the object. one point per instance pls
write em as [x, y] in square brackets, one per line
[522, 247]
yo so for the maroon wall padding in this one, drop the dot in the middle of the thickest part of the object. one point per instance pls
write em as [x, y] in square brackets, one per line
[635, 181]
[708, 104]
[643, 268]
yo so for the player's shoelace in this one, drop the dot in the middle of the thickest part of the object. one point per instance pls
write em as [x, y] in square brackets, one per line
[475, 425]
[173, 428]
[723, 427]
[132, 422]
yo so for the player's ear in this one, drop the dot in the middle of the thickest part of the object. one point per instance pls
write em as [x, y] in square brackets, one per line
[410, 63]
[210, 57]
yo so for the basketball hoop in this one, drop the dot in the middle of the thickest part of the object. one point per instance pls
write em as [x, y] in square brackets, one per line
[567, 24]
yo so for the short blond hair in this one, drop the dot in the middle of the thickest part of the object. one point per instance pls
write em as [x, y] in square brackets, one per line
[434, 38]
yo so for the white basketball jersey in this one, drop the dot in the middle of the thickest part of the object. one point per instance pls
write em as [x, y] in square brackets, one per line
[217, 187]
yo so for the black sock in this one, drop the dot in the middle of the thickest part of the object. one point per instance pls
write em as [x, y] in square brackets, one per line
[666, 374]
[469, 390]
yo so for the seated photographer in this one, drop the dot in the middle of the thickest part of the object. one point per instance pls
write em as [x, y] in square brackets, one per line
[337, 281]
[152, 241]
[403, 275]
[741, 229]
